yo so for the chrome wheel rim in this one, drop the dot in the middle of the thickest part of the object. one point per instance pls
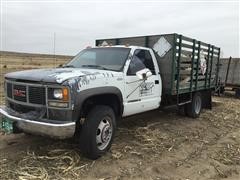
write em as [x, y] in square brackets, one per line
[104, 133]
[198, 105]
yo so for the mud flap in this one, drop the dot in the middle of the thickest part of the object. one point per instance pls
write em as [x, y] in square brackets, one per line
[207, 99]
[237, 93]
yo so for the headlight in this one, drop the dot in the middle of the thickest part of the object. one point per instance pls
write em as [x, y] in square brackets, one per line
[61, 94]
[58, 93]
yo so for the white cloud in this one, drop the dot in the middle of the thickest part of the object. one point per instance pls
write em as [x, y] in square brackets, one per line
[29, 26]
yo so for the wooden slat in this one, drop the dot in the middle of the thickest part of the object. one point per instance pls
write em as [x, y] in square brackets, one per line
[186, 53]
[185, 65]
[199, 77]
[204, 44]
[187, 39]
[185, 72]
[185, 59]
[187, 46]
[187, 85]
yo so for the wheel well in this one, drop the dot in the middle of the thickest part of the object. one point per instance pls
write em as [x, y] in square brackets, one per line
[111, 100]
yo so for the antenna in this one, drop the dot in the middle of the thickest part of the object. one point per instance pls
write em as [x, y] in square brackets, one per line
[54, 48]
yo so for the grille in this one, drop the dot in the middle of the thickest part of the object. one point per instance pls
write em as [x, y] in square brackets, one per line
[37, 95]
[9, 90]
[26, 93]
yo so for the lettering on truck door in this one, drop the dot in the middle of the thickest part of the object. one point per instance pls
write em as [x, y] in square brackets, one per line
[141, 95]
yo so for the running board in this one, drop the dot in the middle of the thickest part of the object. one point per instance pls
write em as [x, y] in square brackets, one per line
[186, 102]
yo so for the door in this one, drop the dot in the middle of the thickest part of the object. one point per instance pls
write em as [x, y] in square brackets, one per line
[141, 95]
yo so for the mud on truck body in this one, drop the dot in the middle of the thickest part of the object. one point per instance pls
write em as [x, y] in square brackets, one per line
[119, 77]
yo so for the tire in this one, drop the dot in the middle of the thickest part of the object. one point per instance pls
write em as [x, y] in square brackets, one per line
[194, 108]
[97, 132]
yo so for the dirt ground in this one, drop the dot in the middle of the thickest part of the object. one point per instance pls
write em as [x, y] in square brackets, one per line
[155, 145]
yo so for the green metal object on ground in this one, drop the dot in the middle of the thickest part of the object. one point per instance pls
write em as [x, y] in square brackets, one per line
[6, 125]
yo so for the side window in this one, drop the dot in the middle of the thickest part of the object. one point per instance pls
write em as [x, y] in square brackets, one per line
[141, 59]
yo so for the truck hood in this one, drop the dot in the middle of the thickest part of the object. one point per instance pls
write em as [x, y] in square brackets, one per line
[58, 75]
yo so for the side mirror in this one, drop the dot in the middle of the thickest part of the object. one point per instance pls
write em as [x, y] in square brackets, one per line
[144, 74]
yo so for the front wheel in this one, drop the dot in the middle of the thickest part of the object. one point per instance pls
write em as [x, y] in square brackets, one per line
[97, 132]
[194, 108]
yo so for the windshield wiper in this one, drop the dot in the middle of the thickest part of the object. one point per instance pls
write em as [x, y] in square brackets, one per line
[68, 66]
[95, 66]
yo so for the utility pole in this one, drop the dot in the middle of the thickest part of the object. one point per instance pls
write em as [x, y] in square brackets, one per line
[54, 48]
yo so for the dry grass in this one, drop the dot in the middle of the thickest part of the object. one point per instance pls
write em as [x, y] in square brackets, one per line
[143, 140]
[52, 162]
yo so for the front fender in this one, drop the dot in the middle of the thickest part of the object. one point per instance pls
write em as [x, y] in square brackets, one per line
[82, 96]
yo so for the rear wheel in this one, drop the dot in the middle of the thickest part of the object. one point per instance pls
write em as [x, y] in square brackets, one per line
[194, 108]
[97, 132]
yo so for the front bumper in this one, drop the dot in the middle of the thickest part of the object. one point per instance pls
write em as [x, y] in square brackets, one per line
[58, 130]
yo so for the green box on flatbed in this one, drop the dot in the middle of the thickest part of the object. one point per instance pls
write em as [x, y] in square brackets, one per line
[186, 65]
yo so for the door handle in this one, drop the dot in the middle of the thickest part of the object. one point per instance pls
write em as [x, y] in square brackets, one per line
[156, 81]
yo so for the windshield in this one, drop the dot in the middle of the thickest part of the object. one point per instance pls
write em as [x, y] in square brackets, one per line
[101, 58]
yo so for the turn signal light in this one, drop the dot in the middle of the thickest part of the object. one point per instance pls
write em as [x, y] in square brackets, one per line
[65, 94]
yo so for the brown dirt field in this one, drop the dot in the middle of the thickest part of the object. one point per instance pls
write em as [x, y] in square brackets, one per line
[154, 145]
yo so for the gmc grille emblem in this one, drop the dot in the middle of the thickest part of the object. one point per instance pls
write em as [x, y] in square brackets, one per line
[20, 93]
